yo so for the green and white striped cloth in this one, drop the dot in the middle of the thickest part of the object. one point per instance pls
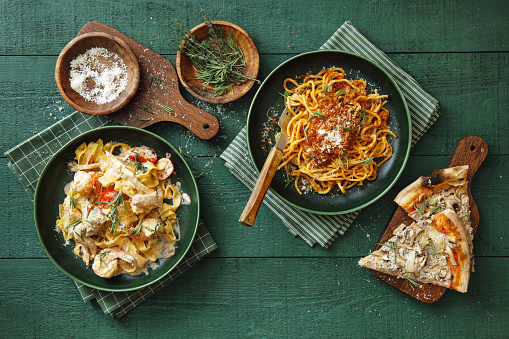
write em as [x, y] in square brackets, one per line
[28, 159]
[320, 229]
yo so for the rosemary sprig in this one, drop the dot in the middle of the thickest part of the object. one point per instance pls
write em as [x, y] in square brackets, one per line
[101, 258]
[420, 211]
[435, 208]
[323, 169]
[148, 108]
[142, 121]
[325, 88]
[465, 215]
[138, 166]
[74, 223]
[155, 79]
[218, 59]
[392, 247]
[81, 237]
[305, 134]
[432, 248]
[197, 175]
[113, 214]
[137, 230]
[410, 283]
[365, 161]
[342, 92]
[288, 176]
[311, 157]
[167, 109]
[73, 201]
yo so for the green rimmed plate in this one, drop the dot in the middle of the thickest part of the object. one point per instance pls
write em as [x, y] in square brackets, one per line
[269, 99]
[50, 193]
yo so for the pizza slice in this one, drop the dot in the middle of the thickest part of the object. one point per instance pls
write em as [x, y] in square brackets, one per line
[444, 189]
[436, 250]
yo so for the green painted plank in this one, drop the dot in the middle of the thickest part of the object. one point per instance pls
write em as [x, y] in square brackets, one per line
[473, 100]
[44, 27]
[276, 297]
[223, 198]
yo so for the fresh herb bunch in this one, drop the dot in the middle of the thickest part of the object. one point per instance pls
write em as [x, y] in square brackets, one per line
[218, 59]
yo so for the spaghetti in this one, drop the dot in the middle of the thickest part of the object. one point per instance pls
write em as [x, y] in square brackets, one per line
[120, 210]
[338, 132]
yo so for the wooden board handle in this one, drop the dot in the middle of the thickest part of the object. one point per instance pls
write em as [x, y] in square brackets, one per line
[471, 151]
[158, 97]
[268, 171]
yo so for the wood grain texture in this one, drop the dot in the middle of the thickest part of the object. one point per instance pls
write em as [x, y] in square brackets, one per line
[262, 282]
[469, 151]
[260, 298]
[267, 173]
[158, 97]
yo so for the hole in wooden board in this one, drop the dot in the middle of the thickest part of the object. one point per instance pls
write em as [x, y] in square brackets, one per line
[206, 126]
[472, 148]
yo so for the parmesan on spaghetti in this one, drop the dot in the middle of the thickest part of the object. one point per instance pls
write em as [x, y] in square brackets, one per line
[338, 132]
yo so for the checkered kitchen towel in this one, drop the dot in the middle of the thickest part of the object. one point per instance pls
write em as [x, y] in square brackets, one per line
[320, 229]
[27, 161]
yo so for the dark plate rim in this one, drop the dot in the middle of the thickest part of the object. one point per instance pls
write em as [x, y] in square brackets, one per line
[408, 146]
[39, 188]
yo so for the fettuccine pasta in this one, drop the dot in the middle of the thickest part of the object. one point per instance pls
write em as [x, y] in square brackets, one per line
[120, 208]
[338, 132]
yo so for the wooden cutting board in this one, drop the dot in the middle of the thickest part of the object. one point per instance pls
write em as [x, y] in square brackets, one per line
[158, 97]
[469, 151]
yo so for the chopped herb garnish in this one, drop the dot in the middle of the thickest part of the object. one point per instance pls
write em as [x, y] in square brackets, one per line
[74, 223]
[73, 201]
[466, 215]
[142, 121]
[288, 176]
[148, 108]
[392, 247]
[436, 208]
[137, 230]
[342, 92]
[323, 169]
[317, 115]
[81, 237]
[410, 283]
[197, 175]
[325, 88]
[167, 109]
[115, 221]
[432, 247]
[101, 257]
[365, 161]
[155, 79]
[420, 211]
[305, 134]
[138, 166]
[310, 158]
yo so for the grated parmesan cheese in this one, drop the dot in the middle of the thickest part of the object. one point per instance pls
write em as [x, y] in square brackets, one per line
[98, 75]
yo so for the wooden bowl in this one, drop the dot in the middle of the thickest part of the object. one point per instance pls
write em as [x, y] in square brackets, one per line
[187, 73]
[80, 45]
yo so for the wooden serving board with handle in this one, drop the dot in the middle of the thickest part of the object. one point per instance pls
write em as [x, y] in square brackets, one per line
[158, 97]
[469, 151]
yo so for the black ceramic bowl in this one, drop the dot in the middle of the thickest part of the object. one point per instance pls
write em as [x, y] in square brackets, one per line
[50, 193]
[269, 98]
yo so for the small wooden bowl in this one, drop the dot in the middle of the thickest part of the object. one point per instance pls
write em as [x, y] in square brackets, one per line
[80, 45]
[187, 73]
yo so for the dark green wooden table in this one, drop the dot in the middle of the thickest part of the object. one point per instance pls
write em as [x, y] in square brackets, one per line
[262, 282]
